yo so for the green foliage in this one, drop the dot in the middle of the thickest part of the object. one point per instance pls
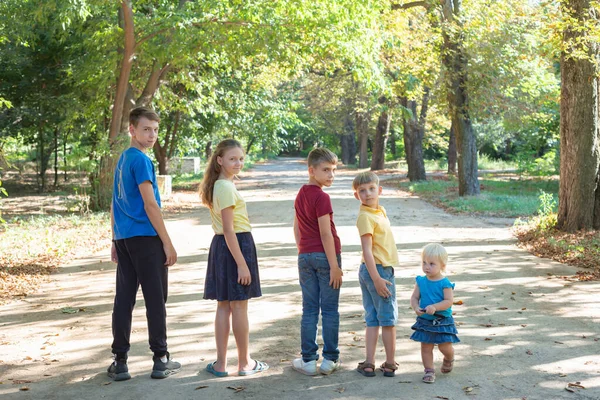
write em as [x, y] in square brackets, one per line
[546, 218]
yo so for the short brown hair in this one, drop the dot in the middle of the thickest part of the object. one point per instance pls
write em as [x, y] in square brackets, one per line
[139, 112]
[365, 177]
[319, 155]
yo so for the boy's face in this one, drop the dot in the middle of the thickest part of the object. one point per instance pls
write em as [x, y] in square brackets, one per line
[144, 135]
[368, 194]
[322, 174]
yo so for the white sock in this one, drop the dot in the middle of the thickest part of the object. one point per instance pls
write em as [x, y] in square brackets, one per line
[164, 359]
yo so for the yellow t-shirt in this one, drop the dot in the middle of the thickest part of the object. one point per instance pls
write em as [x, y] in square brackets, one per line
[226, 195]
[375, 222]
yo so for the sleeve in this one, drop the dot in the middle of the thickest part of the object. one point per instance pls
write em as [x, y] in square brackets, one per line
[365, 224]
[323, 205]
[447, 284]
[223, 197]
[142, 170]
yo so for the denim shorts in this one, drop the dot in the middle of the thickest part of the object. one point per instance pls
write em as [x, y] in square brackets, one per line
[379, 311]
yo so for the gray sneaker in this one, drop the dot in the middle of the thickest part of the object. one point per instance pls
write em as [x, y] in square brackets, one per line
[118, 370]
[162, 370]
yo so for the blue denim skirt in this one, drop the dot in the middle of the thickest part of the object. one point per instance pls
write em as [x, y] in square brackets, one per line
[221, 272]
[439, 330]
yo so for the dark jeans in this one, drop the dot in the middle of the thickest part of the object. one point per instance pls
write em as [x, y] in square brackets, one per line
[141, 262]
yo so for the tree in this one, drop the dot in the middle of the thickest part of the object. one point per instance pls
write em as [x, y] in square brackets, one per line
[579, 193]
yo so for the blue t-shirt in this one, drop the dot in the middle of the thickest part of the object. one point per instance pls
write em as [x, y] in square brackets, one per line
[433, 292]
[133, 168]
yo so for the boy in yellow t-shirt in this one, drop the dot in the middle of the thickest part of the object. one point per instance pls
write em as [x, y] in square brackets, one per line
[376, 274]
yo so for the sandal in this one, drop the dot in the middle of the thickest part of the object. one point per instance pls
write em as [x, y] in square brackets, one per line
[447, 366]
[386, 366]
[362, 366]
[429, 376]
[259, 367]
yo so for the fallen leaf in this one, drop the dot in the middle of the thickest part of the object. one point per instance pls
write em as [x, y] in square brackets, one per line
[352, 333]
[55, 334]
[523, 325]
[201, 387]
[483, 287]
[404, 381]
[529, 352]
[524, 308]
[107, 383]
[236, 389]
[468, 389]
[340, 390]
[28, 358]
[562, 375]
[69, 310]
[357, 339]
[556, 341]
[284, 360]
[485, 308]
[487, 338]
[458, 303]
[442, 397]
[21, 381]
[577, 385]
[514, 292]
[354, 316]
[24, 389]
[502, 308]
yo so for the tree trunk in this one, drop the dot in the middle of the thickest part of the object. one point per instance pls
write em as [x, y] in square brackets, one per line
[348, 139]
[362, 129]
[414, 131]
[55, 157]
[452, 151]
[579, 127]
[382, 132]
[208, 150]
[455, 62]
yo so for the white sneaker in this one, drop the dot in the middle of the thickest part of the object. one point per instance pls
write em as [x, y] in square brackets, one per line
[328, 366]
[306, 368]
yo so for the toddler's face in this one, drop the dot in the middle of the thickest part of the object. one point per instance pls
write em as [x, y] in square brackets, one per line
[432, 267]
[368, 194]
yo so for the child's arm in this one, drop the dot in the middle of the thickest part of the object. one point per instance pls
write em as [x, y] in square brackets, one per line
[296, 232]
[244, 277]
[155, 216]
[381, 285]
[442, 305]
[113, 247]
[335, 272]
[414, 301]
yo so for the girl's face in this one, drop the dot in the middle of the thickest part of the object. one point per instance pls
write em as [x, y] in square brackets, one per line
[231, 162]
[432, 268]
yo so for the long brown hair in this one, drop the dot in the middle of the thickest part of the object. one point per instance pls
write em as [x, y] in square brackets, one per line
[213, 170]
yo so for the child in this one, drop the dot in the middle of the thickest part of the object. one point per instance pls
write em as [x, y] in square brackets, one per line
[319, 265]
[432, 302]
[141, 248]
[232, 271]
[376, 274]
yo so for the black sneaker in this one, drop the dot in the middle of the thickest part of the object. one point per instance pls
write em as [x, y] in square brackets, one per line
[118, 370]
[162, 370]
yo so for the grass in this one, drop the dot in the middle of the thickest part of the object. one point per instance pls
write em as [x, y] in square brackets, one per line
[32, 248]
[500, 196]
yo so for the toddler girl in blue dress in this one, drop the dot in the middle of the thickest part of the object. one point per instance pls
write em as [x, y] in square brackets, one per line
[432, 302]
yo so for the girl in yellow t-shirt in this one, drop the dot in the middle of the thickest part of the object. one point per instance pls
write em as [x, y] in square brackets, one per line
[232, 270]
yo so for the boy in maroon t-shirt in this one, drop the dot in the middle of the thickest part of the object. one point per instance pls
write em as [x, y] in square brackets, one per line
[319, 265]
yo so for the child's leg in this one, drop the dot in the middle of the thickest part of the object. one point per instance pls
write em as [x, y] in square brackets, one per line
[330, 315]
[388, 336]
[371, 336]
[241, 332]
[309, 282]
[427, 355]
[222, 328]
[448, 351]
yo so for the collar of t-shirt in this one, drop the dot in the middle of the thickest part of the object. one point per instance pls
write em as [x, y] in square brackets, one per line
[378, 210]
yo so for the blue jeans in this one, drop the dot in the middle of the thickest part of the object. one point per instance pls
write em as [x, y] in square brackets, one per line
[317, 295]
[379, 311]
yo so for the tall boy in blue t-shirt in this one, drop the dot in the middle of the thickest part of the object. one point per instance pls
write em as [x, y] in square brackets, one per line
[141, 248]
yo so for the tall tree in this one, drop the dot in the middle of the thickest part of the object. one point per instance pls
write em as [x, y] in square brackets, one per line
[579, 192]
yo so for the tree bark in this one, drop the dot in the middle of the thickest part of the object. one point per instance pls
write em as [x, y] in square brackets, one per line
[452, 151]
[348, 139]
[455, 62]
[414, 131]
[579, 128]
[382, 132]
[362, 129]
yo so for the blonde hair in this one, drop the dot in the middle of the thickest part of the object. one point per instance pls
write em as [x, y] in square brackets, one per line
[319, 155]
[435, 251]
[363, 178]
[213, 170]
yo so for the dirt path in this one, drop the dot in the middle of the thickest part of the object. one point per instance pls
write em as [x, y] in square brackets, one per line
[526, 332]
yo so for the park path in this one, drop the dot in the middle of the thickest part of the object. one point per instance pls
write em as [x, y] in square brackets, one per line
[526, 331]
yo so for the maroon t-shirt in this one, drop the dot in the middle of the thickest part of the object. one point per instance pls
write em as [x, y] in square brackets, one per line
[311, 203]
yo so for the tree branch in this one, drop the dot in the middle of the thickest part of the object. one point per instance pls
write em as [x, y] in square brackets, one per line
[412, 4]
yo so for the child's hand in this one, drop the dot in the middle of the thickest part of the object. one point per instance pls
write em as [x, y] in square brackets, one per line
[430, 310]
[335, 277]
[381, 285]
[244, 277]
[419, 311]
